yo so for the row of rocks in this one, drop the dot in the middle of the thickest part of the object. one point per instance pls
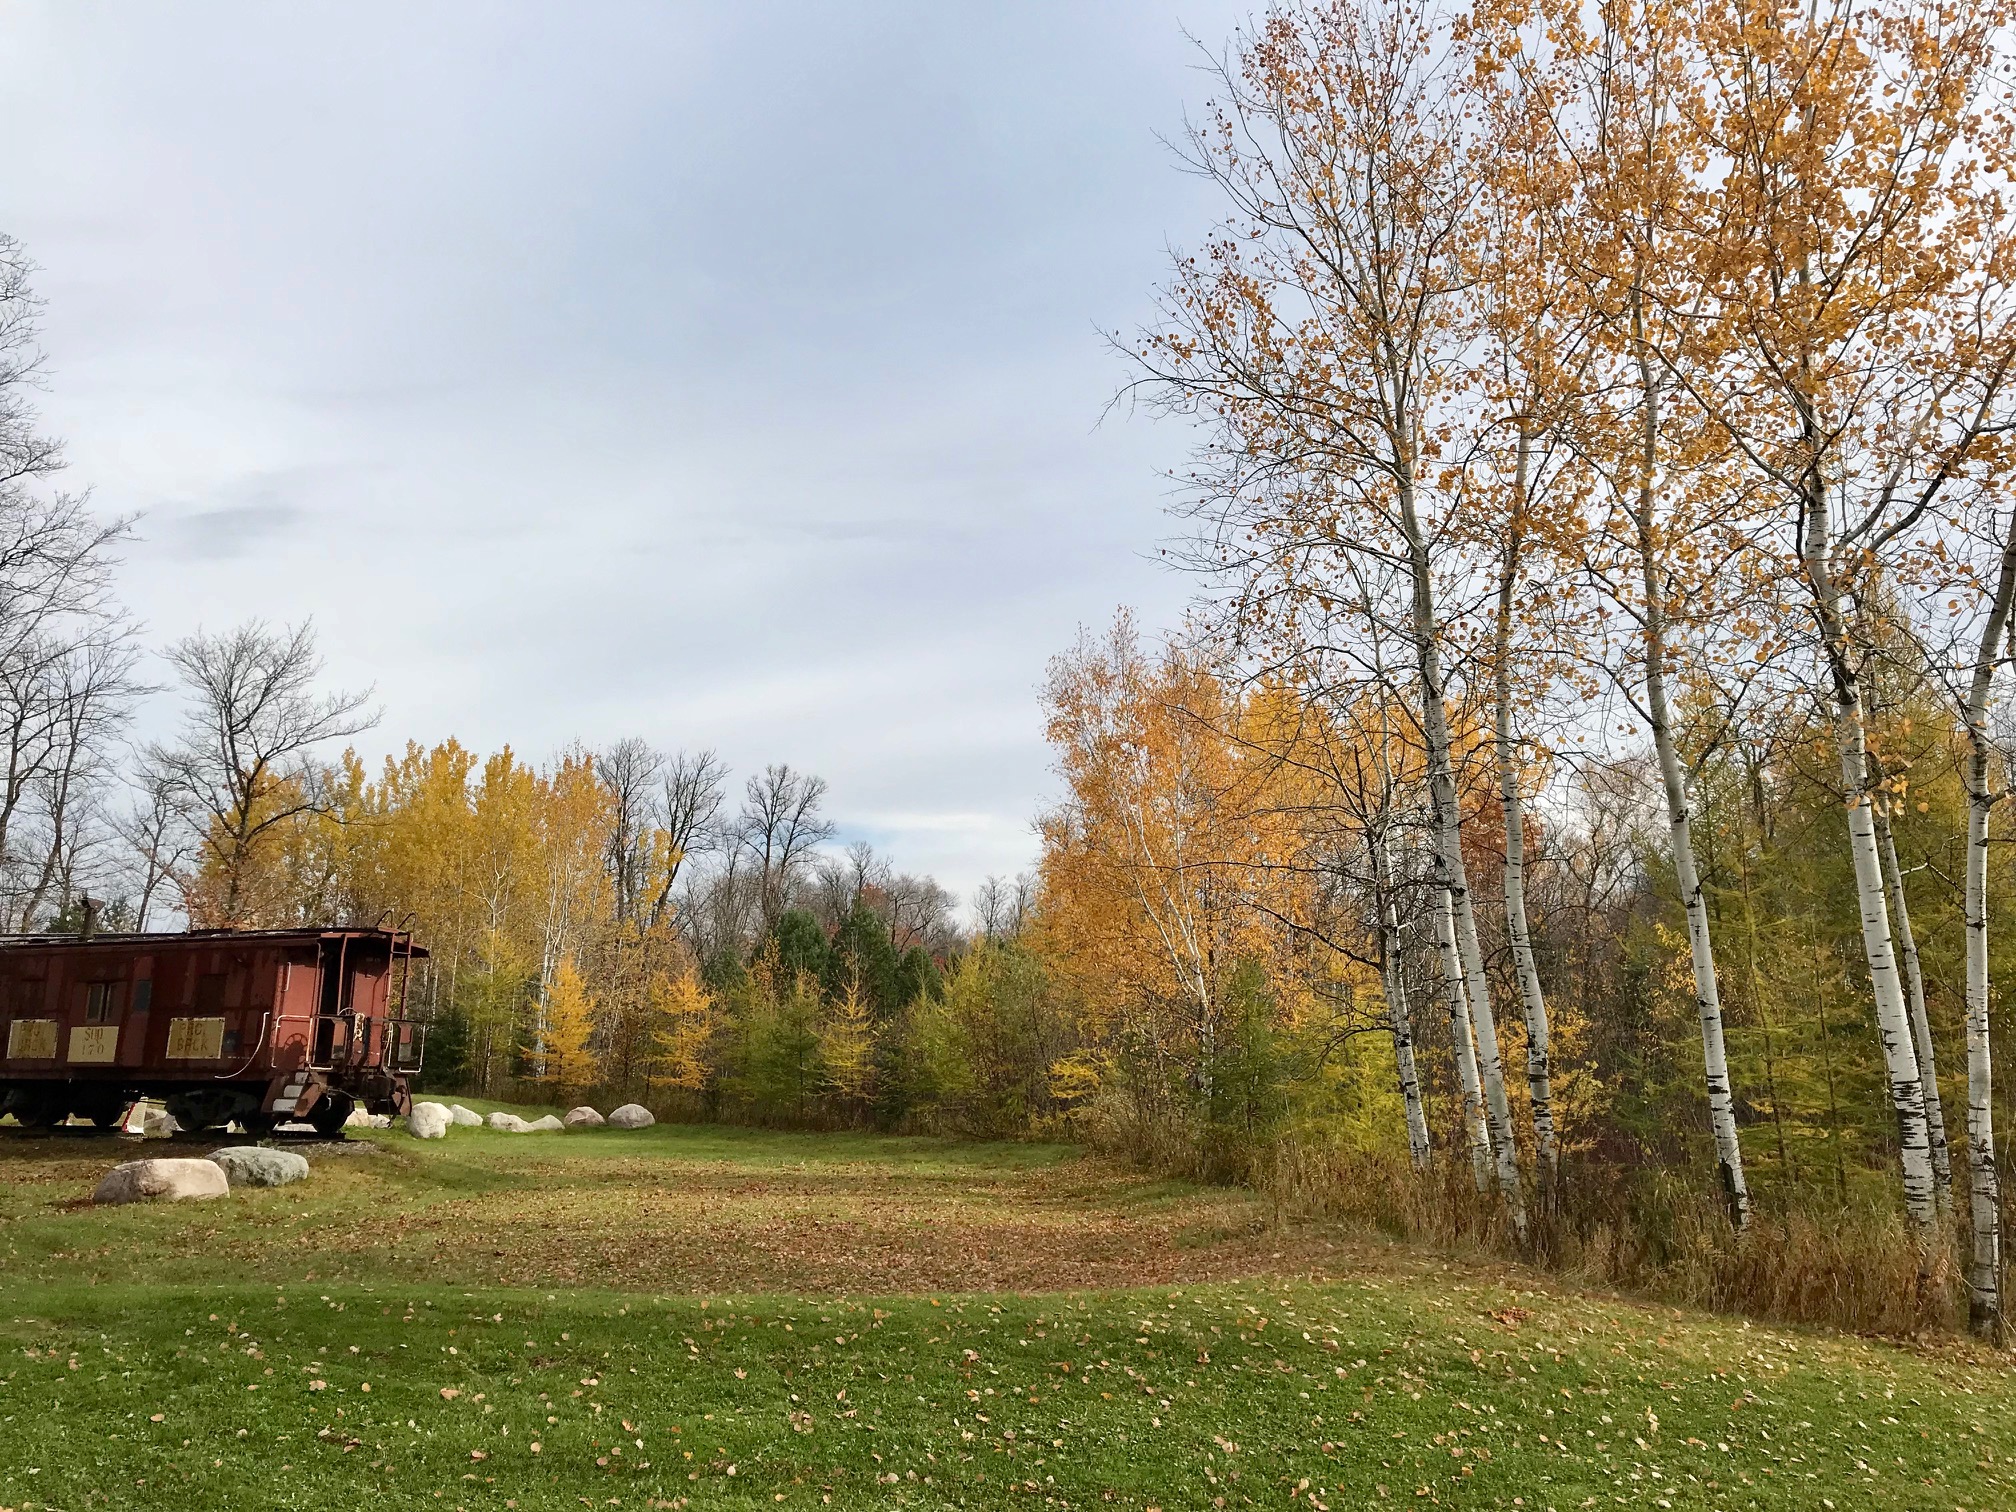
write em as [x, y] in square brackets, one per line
[213, 1176]
[433, 1120]
[158, 1123]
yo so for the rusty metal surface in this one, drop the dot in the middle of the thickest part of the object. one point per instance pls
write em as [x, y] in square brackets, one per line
[271, 1019]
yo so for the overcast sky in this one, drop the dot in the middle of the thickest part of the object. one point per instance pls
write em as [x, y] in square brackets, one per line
[725, 374]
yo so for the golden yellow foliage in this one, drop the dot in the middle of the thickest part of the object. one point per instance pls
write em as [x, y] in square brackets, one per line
[560, 1049]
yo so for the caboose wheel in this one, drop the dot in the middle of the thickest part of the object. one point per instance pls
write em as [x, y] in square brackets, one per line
[196, 1111]
[103, 1114]
[39, 1111]
[258, 1125]
[328, 1115]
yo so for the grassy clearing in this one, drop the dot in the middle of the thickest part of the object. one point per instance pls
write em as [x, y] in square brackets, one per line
[723, 1318]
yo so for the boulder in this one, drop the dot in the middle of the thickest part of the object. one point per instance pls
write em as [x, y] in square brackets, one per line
[158, 1123]
[630, 1116]
[465, 1118]
[163, 1181]
[250, 1165]
[429, 1120]
[547, 1125]
[510, 1123]
[583, 1118]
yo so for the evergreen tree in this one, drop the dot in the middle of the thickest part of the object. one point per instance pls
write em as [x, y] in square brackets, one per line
[862, 960]
[917, 976]
[800, 945]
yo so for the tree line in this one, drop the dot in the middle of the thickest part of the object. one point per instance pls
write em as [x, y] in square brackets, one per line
[1570, 817]
[623, 920]
[1606, 567]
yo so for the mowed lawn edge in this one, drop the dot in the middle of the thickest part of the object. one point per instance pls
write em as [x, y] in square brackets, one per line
[1398, 1376]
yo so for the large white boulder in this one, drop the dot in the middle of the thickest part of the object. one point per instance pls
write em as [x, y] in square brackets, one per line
[162, 1181]
[250, 1165]
[583, 1118]
[429, 1120]
[466, 1118]
[510, 1123]
[546, 1125]
[631, 1116]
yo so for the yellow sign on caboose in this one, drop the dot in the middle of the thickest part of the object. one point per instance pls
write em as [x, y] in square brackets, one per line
[31, 1039]
[195, 1039]
[94, 1044]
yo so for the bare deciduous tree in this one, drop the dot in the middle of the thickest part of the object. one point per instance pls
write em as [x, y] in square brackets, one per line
[692, 789]
[779, 827]
[239, 768]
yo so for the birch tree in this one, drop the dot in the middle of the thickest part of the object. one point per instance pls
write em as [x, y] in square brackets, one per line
[1848, 249]
[1977, 592]
[1327, 335]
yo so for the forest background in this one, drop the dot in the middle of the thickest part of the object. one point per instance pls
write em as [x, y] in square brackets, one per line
[1604, 582]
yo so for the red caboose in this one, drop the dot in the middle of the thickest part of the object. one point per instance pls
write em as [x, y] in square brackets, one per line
[257, 1026]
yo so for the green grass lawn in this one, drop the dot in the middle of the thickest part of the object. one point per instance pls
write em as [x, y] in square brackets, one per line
[722, 1318]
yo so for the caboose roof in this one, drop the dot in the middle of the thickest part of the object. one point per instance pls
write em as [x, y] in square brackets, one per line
[171, 938]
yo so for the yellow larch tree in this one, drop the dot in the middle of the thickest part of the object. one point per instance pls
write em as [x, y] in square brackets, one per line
[562, 1053]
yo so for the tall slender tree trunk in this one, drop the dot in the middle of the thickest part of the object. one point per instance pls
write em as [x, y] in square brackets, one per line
[1399, 1022]
[1921, 1023]
[1476, 1132]
[1680, 831]
[1984, 1190]
[1851, 744]
[1679, 811]
[1452, 873]
[1539, 1079]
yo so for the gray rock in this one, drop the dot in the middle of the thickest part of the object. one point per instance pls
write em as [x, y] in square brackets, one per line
[163, 1181]
[547, 1125]
[630, 1116]
[466, 1118]
[250, 1165]
[429, 1120]
[583, 1118]
[510, 1123]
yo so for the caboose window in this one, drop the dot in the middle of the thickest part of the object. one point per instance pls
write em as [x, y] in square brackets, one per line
[210, 992]
[101, 1003]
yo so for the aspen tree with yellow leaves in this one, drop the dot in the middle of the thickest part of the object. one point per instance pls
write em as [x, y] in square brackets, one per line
[1154, 860]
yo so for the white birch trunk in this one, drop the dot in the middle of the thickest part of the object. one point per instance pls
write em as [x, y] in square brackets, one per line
[1893, 1019]
[1921, 1023]
[1984, 1188]
[1453, 875]
[1476, 1133]
[1398, 1020]
[1539, 1079]
[1679, 818]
